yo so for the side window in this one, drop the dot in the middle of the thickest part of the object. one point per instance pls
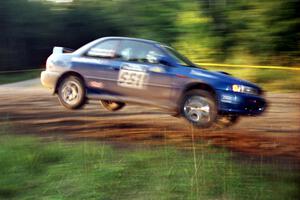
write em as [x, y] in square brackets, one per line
[105, 49]
[138, 52]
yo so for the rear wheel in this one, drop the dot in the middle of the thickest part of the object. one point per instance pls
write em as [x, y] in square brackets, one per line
[112, 105]
[199, 108]
[71, 92]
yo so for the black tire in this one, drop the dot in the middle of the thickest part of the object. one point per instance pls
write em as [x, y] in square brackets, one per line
[224, 121]
[199, 108]
[71, 92]
[112, 105]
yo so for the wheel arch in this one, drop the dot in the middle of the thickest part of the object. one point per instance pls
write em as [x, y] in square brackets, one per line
[197, 89]
[65, 75]
[199, 86]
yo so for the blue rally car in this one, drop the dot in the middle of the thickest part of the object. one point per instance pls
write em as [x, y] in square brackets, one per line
[118, 70]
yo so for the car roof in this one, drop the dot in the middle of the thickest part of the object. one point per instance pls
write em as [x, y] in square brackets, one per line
[130, 38]
[85, 47]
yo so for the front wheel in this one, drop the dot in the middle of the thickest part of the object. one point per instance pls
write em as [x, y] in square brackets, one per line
[71, 92]
[199, 108]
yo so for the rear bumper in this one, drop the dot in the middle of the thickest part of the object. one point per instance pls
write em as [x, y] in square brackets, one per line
[49, 79]
[240, 104]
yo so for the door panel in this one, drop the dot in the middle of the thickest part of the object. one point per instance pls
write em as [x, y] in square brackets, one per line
[99, 67]
[100, 74]
[145, 81]
[160, 82]
[140, 74]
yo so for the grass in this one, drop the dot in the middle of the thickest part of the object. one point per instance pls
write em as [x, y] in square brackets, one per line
[34, 169]
[15, 77]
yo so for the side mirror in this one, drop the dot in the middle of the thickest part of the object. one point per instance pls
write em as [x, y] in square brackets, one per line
[164, 60]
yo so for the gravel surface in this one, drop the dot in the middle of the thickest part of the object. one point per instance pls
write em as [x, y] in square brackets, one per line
[29, 108]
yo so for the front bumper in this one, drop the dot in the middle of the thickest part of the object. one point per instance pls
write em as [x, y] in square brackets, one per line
[240, 103]
[49, 79]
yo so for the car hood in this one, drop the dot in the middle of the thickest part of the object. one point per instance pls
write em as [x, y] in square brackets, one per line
[224, 77]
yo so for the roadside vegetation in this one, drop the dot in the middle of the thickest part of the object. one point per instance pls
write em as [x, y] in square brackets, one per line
[271, 80]
[206, 31]
[16, 77]
[234, 32]
[32, 168]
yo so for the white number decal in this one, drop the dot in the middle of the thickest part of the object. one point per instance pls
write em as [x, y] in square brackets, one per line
[131, 79]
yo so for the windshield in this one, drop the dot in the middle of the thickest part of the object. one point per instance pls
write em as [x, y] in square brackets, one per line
[182, 60]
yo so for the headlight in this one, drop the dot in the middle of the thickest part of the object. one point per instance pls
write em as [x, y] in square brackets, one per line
[244, 89]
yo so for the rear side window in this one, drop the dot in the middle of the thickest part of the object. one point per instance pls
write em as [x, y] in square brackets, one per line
[105, 49]
[135, 51]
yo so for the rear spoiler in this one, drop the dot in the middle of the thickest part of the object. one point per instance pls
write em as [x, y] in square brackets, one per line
[61, 50]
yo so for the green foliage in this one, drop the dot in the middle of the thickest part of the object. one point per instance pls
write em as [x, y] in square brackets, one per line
[263, 32]
[278, 79]
[31, 169]
[269, 79]
[15, 77]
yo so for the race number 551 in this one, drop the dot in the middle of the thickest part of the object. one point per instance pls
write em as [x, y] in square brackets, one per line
[132, 79]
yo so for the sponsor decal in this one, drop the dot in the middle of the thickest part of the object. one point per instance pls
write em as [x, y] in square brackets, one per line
[96, 84]
[228, 98]
[105, 53]
[132, 76]
[87, 60]
[134, 67]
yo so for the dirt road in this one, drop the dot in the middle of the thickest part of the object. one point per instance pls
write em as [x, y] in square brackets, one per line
[31, 109]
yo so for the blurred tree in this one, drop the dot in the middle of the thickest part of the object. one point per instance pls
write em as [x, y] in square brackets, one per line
[241, 32]
[195, 38]
[254, 32]
[23, 31]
